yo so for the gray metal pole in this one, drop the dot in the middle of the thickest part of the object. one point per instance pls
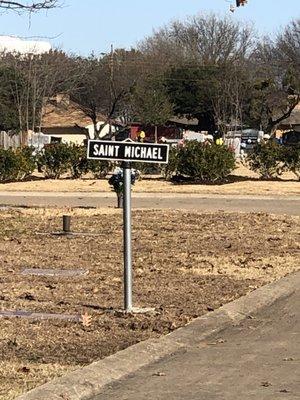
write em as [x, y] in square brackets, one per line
[127, 237]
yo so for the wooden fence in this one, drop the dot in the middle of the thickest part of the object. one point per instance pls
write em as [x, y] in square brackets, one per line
[7, 140]
[36, 140]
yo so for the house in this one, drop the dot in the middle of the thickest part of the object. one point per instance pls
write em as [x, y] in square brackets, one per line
[290, 124]
[171, 130]
[63, 120]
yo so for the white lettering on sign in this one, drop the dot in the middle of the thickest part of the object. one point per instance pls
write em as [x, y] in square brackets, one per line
[106, 150]
[143, 152]
[127, 152]
[138, 152]
[95, 153]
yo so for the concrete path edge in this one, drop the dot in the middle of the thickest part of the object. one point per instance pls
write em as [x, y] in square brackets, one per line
[87, 382]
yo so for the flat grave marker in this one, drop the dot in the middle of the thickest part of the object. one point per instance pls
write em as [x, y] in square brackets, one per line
[39, 316]
[61, 273]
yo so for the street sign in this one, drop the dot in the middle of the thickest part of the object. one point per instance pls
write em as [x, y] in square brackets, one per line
[128, 151]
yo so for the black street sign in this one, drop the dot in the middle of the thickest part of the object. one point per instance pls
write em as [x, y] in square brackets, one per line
[128, 151]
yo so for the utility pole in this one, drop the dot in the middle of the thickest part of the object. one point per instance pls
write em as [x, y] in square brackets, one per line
[111, 83]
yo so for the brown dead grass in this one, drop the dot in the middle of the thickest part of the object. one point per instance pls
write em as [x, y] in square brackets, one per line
[184, 264]
[243, 182]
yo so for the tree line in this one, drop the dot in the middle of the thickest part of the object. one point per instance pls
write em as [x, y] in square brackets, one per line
[206, 67]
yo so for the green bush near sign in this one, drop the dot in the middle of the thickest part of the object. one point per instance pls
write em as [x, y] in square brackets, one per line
[195, 161]
[99, 169]
[57, 159]
[200, 162]
[148, 168]
[292, 159]
[54, 160]
[16, 165]
[270, 159]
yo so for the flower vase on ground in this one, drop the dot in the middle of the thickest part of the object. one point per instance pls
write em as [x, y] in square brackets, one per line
[117, 183]
[120, 200]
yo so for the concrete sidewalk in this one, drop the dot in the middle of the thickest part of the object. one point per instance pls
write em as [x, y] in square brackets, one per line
[193, 202]
[258, 359]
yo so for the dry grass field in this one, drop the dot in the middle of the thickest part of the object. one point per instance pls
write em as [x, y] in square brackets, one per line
[185, 264]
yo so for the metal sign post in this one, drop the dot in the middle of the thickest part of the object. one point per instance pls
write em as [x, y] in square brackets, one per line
[127, 151]
[127, 237]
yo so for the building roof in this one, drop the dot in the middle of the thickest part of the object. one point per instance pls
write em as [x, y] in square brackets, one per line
[294, 118]
[65, 113]
[184, 121]
[11, 44]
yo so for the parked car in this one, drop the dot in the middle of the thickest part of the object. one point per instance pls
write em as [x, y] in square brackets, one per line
[291, 138]
[249, 138]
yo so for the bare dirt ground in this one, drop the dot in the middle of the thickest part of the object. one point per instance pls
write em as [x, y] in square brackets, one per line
[242, 182]
[185, 264]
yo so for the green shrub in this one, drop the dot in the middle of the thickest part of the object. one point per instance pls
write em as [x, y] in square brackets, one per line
[170, 169]
[99, 169]
[26, 162]
[291, 159]
[16, 165]
[59, 158]
[147, 168]
[54, 160]
[267, 159]
[8, 165]
[207, 163]
[78, 161]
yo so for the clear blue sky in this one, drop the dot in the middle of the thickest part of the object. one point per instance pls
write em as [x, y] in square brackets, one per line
[92, 25]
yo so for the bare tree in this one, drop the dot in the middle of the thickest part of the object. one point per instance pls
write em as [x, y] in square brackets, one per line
[93, 94]
[276, 70]
[33, 80]
[28, 6]
[207, 39]
[231, 97]
[107, 82]
[206, 52]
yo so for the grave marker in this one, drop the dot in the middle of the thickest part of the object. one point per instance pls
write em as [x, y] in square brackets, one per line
[64, 273]
[40, 316]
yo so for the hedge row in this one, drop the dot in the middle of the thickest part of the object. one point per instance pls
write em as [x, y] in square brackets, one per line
[197, 162]
[53, 161]
[194, 161]
[57, 159]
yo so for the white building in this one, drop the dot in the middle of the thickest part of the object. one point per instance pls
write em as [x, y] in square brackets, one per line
[10, 44]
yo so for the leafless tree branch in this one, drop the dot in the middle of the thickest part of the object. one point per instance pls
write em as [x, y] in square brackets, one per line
[29, 6]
